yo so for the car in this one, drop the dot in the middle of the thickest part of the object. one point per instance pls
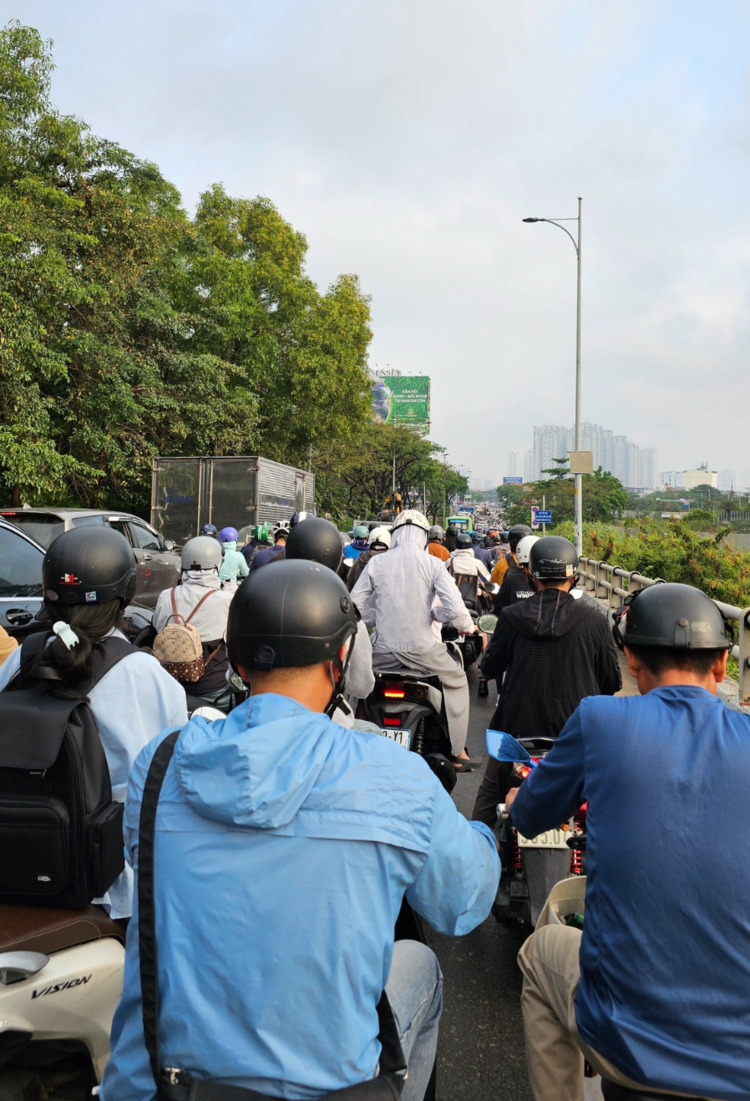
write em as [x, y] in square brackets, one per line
[20, 581]
[158, 566]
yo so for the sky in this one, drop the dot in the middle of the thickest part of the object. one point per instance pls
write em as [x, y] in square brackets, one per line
[407, 139]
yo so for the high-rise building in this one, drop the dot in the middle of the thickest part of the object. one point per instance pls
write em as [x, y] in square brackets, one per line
[635, 467]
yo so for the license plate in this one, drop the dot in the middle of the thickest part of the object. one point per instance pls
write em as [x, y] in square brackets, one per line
[550, 839]
[403, 737]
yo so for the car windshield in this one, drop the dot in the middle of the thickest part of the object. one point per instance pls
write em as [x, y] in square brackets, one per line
[44, 527]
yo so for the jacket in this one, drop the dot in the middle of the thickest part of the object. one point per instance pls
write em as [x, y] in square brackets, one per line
[210, 621]
[284, 846]
[516, 586]
[502, 564]
[554, 649]
[352, 574]
[234, 565]
[665, 954]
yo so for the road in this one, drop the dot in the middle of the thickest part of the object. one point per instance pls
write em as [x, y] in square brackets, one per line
[481, 1051]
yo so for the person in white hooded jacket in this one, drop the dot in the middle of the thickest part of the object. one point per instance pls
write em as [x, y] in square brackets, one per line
[201, 598]
[400, 594]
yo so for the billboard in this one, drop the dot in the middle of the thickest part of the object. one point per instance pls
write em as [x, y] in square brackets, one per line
[401, 399]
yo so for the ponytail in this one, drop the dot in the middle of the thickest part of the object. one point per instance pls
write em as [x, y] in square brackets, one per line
[64, 666]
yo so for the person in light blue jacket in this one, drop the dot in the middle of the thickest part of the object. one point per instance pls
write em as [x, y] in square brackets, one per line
[234, 566]
[285, 845]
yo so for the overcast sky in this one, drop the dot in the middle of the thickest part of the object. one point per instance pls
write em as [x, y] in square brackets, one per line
[408, 138]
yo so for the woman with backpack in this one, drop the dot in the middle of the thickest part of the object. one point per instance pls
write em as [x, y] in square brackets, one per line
[88, 577]
[200, 601]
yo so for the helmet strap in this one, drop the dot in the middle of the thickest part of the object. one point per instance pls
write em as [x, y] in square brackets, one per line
[338, 696]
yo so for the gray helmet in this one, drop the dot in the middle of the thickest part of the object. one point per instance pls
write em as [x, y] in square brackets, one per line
[553, 559]
[436, 532]
[297, 614]
[678, 617]
[201, 553]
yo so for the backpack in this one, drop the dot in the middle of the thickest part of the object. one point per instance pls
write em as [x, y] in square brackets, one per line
[61, 839]
[179, 648]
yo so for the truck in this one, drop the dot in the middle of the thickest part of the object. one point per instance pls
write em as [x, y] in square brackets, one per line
[229, 491]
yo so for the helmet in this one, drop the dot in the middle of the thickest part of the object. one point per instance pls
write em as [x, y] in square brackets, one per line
[411, 516]
[553, 559]
[361, 531]
[281, 529]
[317, 540]
[228, 535]
[297, 614]
[299, 517]
[208, 529]
[201, 553]
[671, 615]
[261, 533]
[89, 566]
[380, 535]
[463, 540]
[436, 532]
[524, 549]
[516, 534]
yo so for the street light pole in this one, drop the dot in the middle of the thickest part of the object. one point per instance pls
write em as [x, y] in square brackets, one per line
[578, 437]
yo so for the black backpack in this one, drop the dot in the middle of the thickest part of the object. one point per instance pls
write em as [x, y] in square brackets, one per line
[61, 838]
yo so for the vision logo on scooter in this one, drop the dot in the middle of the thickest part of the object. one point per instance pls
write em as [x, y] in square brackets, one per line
[58, 987]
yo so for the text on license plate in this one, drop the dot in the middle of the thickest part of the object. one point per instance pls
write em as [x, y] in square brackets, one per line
[403, 737]
[550, 839]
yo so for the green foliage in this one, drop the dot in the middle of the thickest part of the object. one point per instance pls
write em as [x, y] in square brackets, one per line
[354, 478]
[673, 551]
[604, 497]
[127, 330]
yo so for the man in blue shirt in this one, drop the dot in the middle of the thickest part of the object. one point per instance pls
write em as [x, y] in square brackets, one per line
[656, 990]
[284, 847]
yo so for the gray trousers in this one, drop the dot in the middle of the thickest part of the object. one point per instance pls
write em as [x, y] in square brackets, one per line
[438, 662]
[554, 1048]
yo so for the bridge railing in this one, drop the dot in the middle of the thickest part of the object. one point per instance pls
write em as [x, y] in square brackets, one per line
[613, 584]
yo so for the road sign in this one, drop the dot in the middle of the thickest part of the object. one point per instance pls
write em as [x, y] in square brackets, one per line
[544, 516]
[515, 481]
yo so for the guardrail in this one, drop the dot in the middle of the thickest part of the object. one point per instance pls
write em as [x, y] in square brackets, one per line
[613, 584]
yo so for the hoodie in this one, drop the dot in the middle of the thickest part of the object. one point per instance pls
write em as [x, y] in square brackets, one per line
[554, 650]
[284, 847]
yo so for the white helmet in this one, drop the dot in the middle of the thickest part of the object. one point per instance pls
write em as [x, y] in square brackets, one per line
[412, 516]
[523, 550]
[380, 535]
[202, 553]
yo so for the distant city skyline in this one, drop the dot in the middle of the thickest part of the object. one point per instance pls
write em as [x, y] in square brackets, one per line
[636, 467]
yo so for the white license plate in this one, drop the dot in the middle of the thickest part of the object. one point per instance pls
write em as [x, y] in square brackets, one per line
[550, 839]
[403, 737]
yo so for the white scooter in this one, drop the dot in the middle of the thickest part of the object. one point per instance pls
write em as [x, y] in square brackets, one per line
[60, 981]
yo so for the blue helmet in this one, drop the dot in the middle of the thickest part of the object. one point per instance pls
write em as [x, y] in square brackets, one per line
[229, 535]
[208, 529]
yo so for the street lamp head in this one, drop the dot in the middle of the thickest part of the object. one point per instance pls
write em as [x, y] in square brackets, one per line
[534, 219]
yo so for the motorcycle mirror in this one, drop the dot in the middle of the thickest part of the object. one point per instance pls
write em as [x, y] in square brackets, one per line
[504, 747]
[487, 624]
[491, 588]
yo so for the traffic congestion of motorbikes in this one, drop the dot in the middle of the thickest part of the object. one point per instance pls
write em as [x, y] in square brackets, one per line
[472, 594]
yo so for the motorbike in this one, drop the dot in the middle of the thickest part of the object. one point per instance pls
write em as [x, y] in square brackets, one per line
[408, 708]
[475, 593]
[531, 865]
[60, 981]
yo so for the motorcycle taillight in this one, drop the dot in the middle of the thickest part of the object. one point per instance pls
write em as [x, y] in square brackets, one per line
[521, 771]
[391, 720]
[394, 692]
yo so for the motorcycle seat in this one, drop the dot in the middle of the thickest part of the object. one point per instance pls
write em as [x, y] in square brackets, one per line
[611, 1091]
[47, 929]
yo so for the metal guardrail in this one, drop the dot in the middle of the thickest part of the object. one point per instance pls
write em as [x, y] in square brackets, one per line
[613, 584]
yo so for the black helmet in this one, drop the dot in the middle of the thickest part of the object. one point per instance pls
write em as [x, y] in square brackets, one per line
[317, 540]
[675, 616]
[89, 565]
[463, 541]
[516, 534]
[297, 614]
[553, 559]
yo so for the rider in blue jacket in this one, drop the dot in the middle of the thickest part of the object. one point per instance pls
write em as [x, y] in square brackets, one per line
[285, 845]
[655, 990]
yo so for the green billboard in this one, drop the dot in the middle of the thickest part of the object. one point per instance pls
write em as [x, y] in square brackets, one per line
[401, 399]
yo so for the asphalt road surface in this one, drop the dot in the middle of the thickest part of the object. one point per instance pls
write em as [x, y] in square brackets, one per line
[481, 1050]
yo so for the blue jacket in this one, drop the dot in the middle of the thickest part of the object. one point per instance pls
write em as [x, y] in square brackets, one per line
[284, 846]
[665, 957]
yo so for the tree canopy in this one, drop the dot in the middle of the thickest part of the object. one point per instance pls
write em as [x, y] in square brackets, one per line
[604, 497]
[128, 329]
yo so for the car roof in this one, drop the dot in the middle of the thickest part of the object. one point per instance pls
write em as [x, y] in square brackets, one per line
[52, 510]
